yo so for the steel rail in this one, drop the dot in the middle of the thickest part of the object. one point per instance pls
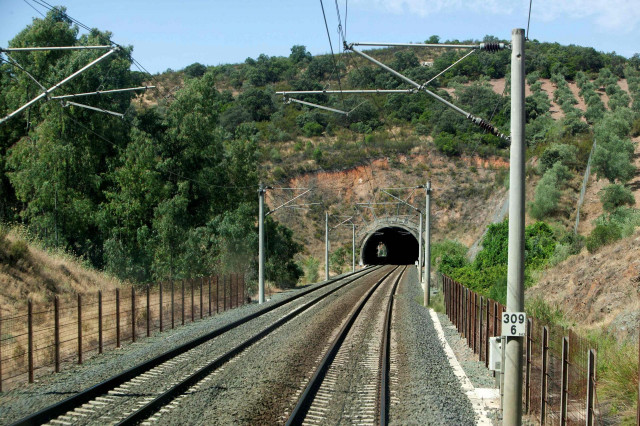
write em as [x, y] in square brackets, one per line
[383, 398]
[306, 399]
[163, 399]
[66, 405]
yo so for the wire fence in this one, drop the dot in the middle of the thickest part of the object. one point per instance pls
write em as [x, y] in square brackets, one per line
[46, 338]
[559, 382]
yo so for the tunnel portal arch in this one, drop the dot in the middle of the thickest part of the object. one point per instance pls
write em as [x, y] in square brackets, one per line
[398, 235]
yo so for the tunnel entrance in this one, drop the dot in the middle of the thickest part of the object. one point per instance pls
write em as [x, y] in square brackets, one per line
[400, 245]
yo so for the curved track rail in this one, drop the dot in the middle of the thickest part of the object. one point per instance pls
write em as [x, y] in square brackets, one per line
[89, 394]
[305, 401]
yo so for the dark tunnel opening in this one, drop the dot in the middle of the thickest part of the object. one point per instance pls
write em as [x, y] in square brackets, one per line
[401, 247]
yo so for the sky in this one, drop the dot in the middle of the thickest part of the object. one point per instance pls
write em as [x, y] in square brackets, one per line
[173, 34]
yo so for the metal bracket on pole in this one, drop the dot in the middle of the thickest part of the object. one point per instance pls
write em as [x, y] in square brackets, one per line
[347, 92]
[46, 93]
[401, 201]
[476, 120]
[285, 204]
[289, 100]
[490, 47]
[39, 49]
[106, 111]
[102, 92]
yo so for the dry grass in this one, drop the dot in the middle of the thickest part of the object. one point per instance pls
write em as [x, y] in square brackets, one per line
[39, 275]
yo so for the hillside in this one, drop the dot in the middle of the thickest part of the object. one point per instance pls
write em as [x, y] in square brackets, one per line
[170, 190]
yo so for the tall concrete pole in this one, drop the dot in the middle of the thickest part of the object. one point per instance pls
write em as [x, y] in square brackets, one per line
[261, 192]
[427, 246]
[512, 404]
[420, 235]
[353, 247]
[326, 245]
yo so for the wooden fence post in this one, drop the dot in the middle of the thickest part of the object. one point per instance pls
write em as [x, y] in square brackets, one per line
[117, 317]
[564, 373]
[99, 321]
[209, 284]
[192, 302]
[148, 312]
[201, 305]
[133, 314]
[56, 333]
[79, 328]
[591, 381]
[545, 376]
[30, 340]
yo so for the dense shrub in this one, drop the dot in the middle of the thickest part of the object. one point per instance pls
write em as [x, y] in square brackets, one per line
[603, 234]
[616, 195]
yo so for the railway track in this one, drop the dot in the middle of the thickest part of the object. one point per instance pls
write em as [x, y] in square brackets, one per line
[351, 383]
[138, 393]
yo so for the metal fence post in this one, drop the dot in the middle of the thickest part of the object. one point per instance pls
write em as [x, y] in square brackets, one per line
[182, 302]
[209, 284]
[201, 305]
[565, 380]
[117, 317]
[99, 321]
[173, 305]
[30, 340]
[480, 328]
[161, 306]
[56, 333]
[486, 334]
[193, 305]
[79, 328]
[224, 293]
[217, 295]
[0, 351]
[591, 381]
[148, 312]
[527, 371]
[544, 377]
[133, 314]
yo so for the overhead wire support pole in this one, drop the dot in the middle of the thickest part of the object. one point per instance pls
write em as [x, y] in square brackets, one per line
[102, 92]
[512, 400]
[476, 120]
[261, 192]
[57, 85]
[326, 245]
[427, 246]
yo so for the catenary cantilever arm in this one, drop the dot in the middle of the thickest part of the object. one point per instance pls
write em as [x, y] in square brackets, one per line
[476, 120]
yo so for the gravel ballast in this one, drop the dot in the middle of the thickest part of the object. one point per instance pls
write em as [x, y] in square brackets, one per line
[261, 385]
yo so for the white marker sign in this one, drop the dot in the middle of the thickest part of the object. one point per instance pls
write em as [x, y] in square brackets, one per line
[514, 324]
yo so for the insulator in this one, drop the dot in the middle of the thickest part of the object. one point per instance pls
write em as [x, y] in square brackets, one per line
[492, 46]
